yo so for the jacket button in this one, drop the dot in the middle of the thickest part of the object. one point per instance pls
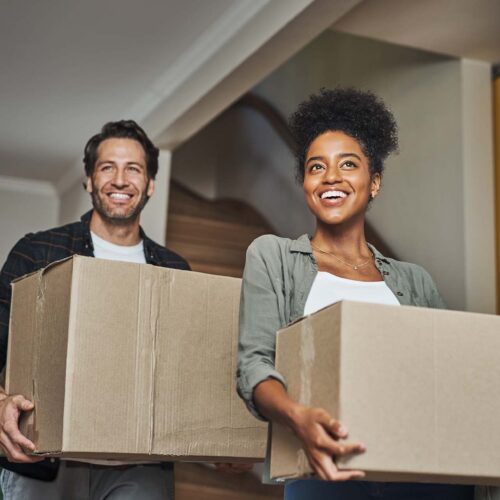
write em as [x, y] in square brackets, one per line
[400, 294]
[386, 273]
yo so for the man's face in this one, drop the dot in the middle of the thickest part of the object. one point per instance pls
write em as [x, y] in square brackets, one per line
[119, 185]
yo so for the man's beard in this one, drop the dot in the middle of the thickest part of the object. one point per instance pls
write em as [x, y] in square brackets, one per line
[120, 219]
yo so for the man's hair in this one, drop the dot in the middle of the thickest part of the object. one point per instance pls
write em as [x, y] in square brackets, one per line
[123, 129]
[359, 114]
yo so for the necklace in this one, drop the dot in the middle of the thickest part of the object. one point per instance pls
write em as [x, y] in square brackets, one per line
[355, 267]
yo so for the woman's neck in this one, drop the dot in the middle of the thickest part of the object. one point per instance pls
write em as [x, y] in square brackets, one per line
[343, 241]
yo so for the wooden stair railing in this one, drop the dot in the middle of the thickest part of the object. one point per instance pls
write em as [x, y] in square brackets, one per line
[212, 236]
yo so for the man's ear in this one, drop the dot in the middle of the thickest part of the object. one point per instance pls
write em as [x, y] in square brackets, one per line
[88, 185]
[151, 188]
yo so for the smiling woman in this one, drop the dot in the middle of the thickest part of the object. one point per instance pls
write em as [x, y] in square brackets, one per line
[342, 138]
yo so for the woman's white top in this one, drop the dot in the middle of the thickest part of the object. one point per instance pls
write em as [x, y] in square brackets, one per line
[328, 289]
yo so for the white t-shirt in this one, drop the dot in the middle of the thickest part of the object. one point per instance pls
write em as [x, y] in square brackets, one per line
[105, 250]
[328, 289]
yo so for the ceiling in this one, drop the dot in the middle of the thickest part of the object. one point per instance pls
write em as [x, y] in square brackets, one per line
[69, 67]
[66, 70]
[461, 28]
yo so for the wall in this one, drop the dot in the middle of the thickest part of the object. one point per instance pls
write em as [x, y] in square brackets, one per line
[421, 212]
[25, 206]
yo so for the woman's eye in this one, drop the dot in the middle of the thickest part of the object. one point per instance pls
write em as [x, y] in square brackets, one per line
[348, 164]
[315, 167]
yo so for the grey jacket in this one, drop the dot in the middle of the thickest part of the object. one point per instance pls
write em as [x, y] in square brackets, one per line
[279, 273]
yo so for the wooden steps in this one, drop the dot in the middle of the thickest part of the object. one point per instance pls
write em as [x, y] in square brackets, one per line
[212, 235]
[198, 482]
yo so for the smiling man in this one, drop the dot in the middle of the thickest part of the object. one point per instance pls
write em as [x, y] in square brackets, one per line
[120, 164]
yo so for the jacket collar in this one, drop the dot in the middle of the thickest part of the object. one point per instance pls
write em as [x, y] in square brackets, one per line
[149, 249]
[303, 245]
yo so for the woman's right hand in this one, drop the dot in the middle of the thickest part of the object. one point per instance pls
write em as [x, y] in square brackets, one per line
[323, 438]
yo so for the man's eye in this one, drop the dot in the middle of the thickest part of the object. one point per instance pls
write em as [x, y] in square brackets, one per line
[134, 169]
[106, 168]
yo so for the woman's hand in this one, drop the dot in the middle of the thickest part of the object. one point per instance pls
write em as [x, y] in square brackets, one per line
[322, 435]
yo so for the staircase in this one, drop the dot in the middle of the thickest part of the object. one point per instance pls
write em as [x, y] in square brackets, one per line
[212, 235]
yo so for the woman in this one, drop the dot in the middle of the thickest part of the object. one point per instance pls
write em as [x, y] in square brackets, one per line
[343, 137]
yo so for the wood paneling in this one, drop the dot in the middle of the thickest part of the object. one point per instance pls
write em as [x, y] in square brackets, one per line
[199, 482]
[212, 235]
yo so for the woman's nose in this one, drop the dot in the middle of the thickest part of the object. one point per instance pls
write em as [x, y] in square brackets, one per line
[333, 174]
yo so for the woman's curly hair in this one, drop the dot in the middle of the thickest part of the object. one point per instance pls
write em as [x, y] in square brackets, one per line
[359, 114]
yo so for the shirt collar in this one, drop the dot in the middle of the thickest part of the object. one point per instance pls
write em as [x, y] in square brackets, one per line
[303, 245]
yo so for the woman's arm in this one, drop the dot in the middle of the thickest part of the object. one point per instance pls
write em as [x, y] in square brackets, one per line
[262, 314]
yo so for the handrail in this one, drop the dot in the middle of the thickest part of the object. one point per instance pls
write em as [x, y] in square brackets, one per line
[280, 126]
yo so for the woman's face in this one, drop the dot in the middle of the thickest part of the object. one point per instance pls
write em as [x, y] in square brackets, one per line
[337, 179]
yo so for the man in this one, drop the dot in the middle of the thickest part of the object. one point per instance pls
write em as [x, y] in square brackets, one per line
[120, 164]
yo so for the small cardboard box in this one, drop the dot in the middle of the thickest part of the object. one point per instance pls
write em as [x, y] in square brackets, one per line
[130, 361]
[419, 387]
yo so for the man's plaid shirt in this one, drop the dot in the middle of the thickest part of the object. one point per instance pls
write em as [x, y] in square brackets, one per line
[36, 250]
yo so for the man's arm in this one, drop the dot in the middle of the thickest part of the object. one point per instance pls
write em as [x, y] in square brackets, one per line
[19, 262]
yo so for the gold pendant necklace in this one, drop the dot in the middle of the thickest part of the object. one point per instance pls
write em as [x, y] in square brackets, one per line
[355, 267]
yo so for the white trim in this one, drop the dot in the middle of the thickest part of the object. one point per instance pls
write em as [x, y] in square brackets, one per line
[205, 46]
[478, 186]
[21, 185]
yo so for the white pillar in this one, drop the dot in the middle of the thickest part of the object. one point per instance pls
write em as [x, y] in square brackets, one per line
[478, 187]
[154, 215]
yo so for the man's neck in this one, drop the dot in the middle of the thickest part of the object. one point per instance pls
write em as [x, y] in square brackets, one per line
[120, 234]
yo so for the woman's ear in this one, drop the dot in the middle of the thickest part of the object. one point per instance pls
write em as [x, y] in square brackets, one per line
[375, 185]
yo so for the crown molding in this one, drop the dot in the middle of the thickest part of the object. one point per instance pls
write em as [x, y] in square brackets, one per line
[28, 186]
[168, 84]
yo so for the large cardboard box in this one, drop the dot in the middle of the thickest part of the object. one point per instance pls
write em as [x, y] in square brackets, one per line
[130, 361]
[419, 387]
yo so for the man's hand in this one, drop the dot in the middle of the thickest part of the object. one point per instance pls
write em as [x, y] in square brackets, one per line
[14, 444]
[321, 435]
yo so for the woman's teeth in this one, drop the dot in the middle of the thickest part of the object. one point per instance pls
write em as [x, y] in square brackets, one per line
[333, 194]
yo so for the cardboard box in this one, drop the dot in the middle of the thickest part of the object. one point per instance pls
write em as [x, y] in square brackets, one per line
[130, 361]
[419, 387]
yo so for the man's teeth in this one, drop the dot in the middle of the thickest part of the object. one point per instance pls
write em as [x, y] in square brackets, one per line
[120, 196]
[333, 194]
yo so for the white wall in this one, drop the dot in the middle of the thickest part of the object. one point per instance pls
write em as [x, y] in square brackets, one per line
[75, 201]
[25, 206]
[421, 212]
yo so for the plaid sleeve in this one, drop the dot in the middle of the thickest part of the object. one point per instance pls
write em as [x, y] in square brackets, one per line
[20, 261]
